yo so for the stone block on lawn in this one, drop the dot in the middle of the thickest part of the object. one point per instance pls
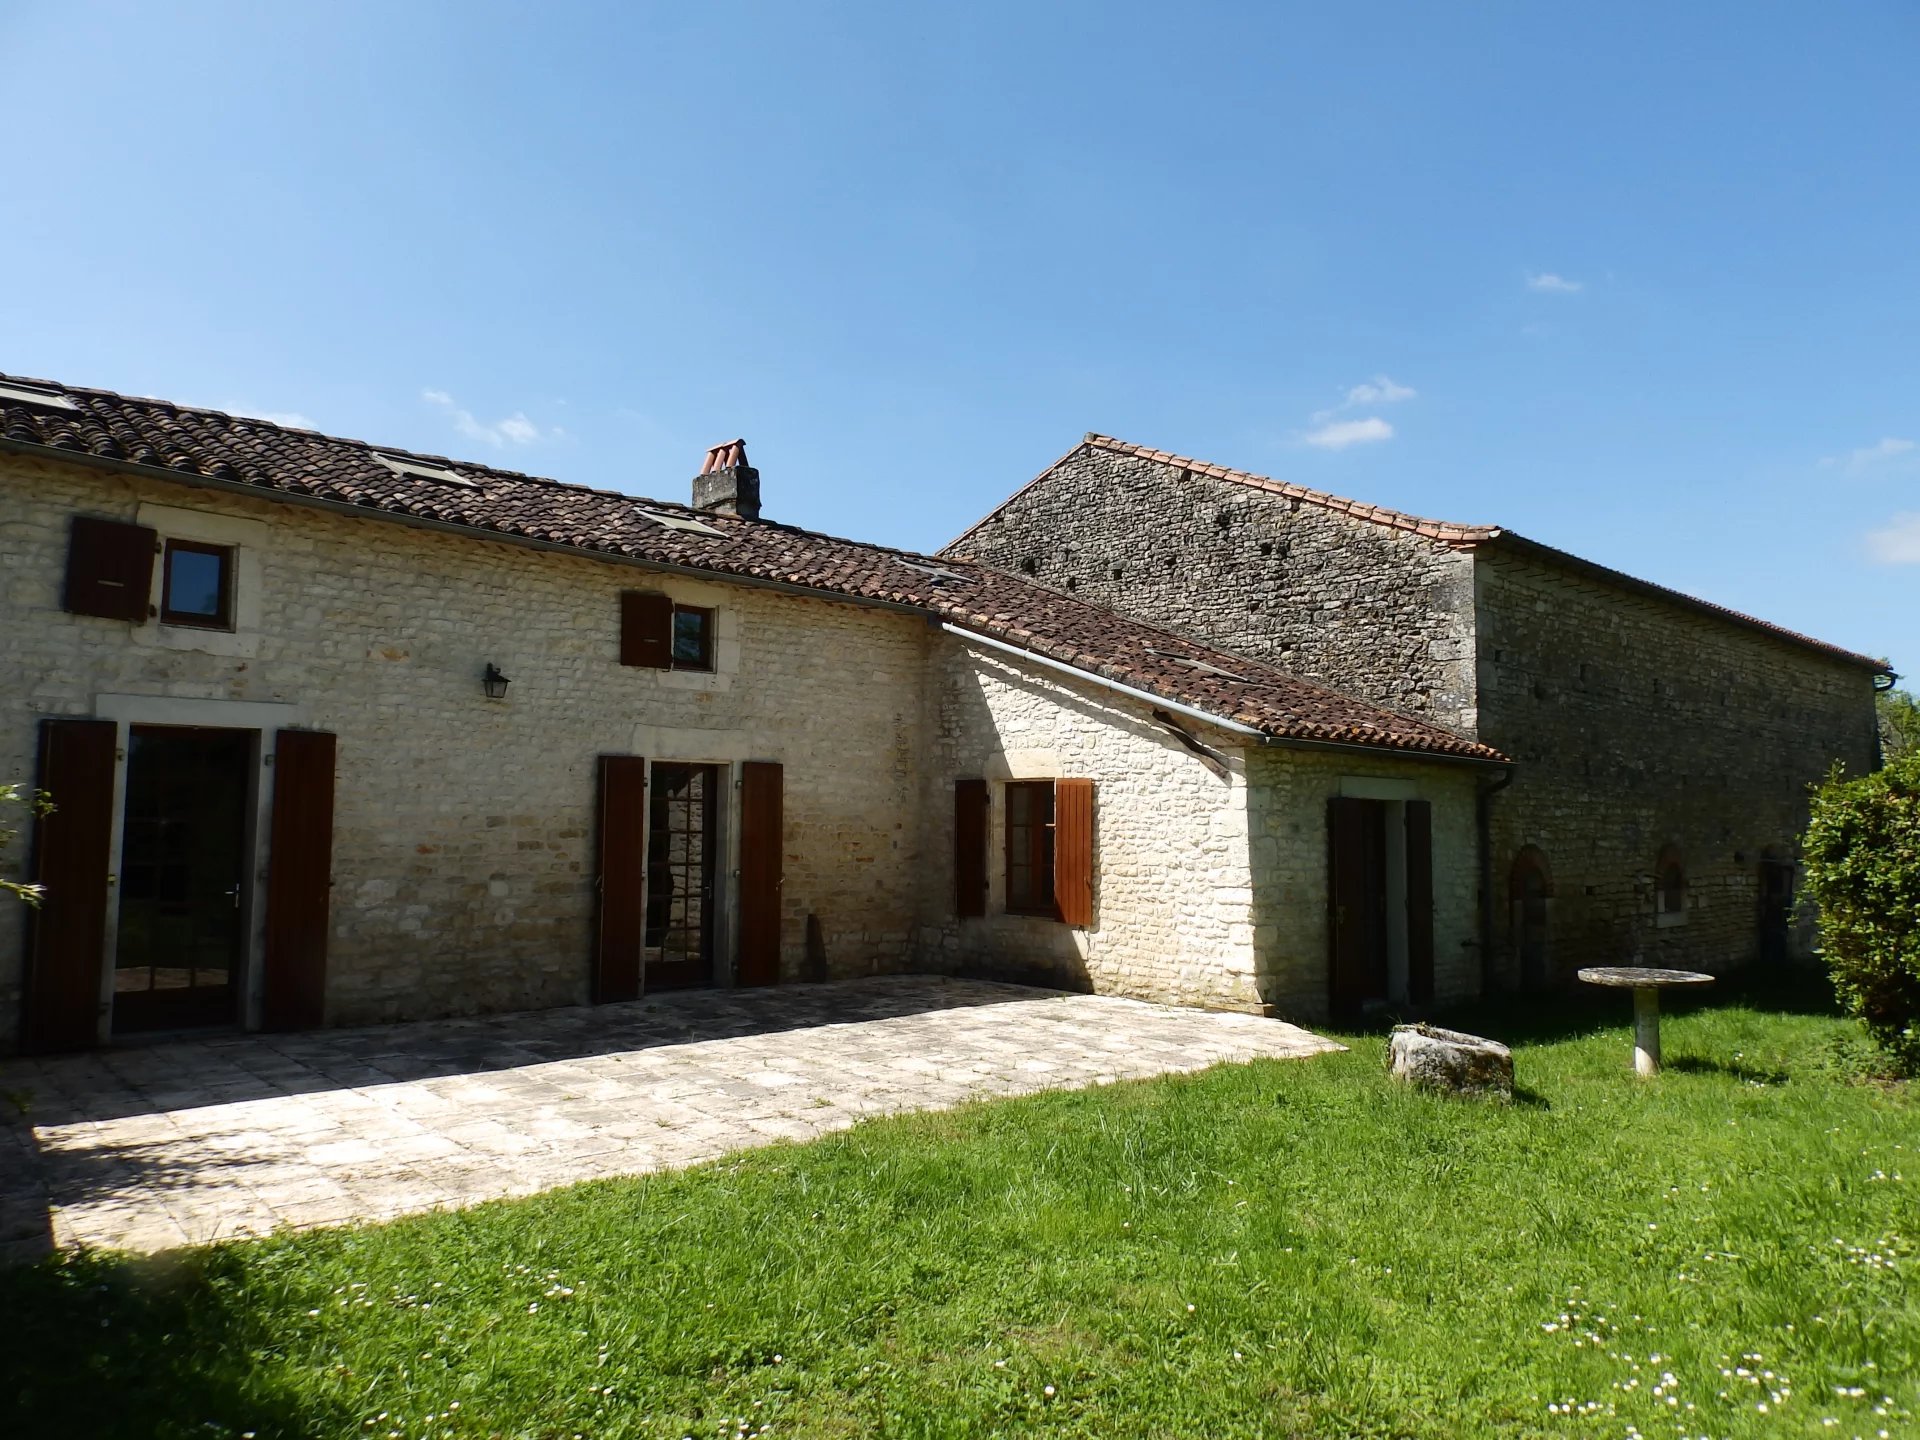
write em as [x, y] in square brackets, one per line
[1460, 1064]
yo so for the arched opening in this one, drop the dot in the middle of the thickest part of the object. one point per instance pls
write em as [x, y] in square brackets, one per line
[1530, 893]
[1670, 887]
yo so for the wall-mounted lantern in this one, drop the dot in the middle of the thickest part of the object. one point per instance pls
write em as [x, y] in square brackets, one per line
[494, 682]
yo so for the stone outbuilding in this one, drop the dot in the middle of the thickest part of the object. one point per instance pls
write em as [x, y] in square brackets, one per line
[1664, 745]
[341, 734]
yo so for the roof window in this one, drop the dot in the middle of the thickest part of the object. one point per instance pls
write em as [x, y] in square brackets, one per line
[35, 395]
[680, 522]
[1201, 665]
[940, 575]
[420, 470]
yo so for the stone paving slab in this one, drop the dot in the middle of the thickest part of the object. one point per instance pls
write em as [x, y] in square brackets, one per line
[154, 1146]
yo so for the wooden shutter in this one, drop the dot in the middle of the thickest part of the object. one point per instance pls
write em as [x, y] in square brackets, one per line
[299, 881]
[72, 853]
[1073, 851]
[1420, 902]
[1347, 929]
[109, 568]
[620, 929]
[646, 630]
[762, 857]
[969, 847]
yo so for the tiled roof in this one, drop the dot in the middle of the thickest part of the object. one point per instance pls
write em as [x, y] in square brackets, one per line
[194, 444]
[1461, 537]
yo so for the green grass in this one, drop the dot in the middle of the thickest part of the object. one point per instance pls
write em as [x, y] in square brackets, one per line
[1279, 1249]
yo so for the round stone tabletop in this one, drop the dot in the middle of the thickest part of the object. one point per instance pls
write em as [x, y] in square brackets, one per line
[1638, 977]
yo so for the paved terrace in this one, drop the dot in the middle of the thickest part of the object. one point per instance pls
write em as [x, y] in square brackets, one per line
[149, 1147]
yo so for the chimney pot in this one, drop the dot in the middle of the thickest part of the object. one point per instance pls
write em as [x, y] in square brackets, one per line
[727, 484]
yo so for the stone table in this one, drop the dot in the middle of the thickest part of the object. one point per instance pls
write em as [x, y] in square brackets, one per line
[1646, 982]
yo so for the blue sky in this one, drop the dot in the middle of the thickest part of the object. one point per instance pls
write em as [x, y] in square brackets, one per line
[1637, 280]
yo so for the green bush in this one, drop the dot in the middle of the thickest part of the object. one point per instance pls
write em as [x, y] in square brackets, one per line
[1863, 870]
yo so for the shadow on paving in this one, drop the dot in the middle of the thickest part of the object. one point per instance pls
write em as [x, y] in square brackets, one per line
[187, 1074]
[154, 1347]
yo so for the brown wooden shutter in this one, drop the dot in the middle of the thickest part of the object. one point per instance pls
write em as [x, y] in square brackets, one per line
[646, 630]
[1073, 851]
[299, 881]
[72, 854]
[109, 568]
[1420, 902]
[620, 931]
[762, 859]
[1347, 930]
[969, 847]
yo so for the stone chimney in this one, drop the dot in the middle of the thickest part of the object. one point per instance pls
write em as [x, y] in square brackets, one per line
[727, 483]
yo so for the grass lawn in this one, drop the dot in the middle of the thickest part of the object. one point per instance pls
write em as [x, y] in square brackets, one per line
[1285, 1248]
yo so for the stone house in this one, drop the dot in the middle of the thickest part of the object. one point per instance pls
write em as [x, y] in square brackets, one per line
[1663, 744]
[339, 734]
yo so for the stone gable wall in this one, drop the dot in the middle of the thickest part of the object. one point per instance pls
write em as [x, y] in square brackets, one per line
[463, 850]
[1638, 724]
[1384, 615]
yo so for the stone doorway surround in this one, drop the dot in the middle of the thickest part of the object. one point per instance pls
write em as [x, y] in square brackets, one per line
[150, 1147]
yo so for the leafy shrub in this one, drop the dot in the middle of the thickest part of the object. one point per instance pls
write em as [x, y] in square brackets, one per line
[1863, 870]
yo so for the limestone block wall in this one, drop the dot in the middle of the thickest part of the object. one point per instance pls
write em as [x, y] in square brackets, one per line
[1172, 883]
[463, 859]
[1639, 723]
[1289, 790]
[1382, 614]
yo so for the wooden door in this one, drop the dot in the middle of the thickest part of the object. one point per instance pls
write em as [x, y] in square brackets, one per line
[622, 844]
[1419, 826]
[299, 881]
[72, 847]
[682, 848]
[1357, 904]
[762, 871]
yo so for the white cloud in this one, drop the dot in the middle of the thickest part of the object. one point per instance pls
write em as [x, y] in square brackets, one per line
[1555, 284]
[1381, 390]
[293, 419]
[516, 429]
[1898, 541]
[1342, 433]
[1889, 447]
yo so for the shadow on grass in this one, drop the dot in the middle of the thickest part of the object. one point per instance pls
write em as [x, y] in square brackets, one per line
[1734, 1069]
[154, 1346]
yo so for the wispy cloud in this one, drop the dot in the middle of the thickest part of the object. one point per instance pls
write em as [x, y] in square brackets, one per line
[1898, 541]
[1381, 390]
[1553, 284]
[1889, 447]
[516, 429]
[1339, 434]
[293, 419]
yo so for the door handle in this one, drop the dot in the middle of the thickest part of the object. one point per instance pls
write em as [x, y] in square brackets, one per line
[235, 893]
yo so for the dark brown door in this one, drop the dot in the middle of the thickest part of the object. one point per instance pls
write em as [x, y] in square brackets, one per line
[1419, 825]
[182, 878]
[299, 881]
[1357, 904]
[681, 839]
[1776, 910]
[622, 881]
[762, 871]
[72, 854]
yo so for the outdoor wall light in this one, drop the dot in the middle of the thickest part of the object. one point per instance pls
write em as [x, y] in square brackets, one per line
[494, 682]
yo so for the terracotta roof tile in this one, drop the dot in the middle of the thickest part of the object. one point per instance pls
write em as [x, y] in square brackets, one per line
[260, 455]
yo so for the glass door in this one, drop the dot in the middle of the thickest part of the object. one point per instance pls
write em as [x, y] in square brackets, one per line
[681, 837]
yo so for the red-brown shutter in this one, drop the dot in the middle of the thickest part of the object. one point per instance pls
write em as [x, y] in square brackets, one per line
[109, 568]
[1347, 935]
[762, 858]
[646, 630]
[1073, 851]
[1420, 902]
[299, 881]
[969, 847]
[620, 931]
[72, 850]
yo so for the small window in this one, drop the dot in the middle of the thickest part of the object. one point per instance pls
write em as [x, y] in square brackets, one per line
[1030, 848]
[197, 585]
[692, 638]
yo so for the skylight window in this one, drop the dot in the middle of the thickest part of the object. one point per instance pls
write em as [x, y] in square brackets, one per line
[680, 522]
[940, 576]
[35, 395]
[1200, 665]
[420, 470]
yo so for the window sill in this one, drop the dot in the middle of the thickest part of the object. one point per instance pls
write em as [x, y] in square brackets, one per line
[243, 645]
[1668, 919]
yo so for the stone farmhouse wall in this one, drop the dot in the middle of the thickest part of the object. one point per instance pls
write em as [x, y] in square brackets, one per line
[463, 850]
[1386, 615]
[1640, 724]
[1172, 883]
